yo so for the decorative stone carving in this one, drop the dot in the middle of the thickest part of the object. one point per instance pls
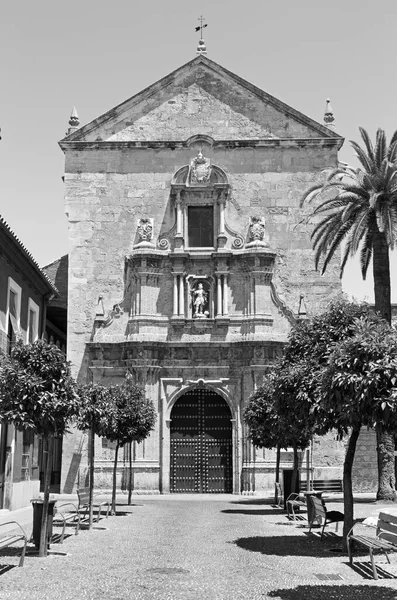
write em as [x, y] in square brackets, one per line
[145, 233]
[256, 233]
[200, 170]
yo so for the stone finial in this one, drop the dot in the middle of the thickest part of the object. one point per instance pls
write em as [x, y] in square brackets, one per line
[329, 115]
[74, 121]
[256, 233]
[302, 312]
[145, 233]
[201, 47]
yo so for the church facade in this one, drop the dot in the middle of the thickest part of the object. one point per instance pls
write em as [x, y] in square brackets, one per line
[190, 259]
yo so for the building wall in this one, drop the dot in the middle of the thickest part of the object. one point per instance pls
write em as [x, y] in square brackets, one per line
[121, 303]
[19, 469]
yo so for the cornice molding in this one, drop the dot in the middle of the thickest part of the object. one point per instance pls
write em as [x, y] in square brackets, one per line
[67, 146]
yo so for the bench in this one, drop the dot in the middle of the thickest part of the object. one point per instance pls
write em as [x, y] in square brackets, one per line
[66, 513]
[323, 516]
[10, 537]
[384, 538]
[295, 503]
[324, 485]
[83, 495]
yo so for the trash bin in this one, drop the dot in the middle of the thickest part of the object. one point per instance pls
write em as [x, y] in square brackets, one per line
[287, 485]
[37, 504]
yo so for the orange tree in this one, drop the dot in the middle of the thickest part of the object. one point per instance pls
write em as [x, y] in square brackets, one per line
[38, 393]
[271, 427]
[131, 419]
[358, 388]
[96, 411]
[357, 210]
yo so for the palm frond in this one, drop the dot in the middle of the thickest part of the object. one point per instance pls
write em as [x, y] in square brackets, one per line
[361, 155]
[360, 229]
[392, 144]
[380, 147]
[368, 145]
[311, 193]
[366, 255]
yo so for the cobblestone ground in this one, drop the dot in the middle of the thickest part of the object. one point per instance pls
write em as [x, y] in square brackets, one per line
[223, 547]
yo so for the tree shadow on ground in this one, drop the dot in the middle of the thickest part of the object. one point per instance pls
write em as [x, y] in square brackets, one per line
[253, 511]
[263, 501]
[284, 545]
[334, 592]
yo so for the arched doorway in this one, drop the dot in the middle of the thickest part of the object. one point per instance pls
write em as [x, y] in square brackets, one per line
[201, 444]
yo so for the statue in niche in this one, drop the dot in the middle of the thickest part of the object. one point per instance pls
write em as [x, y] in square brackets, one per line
[200, 169]
[200, 301]
[256, 232]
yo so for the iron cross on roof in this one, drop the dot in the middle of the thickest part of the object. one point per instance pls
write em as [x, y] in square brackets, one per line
[201, 26]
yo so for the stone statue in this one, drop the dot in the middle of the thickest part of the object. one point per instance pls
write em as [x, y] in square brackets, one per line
[199, 301]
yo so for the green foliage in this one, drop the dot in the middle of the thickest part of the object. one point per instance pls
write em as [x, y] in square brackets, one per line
[359, 383]
[96, 408]
[288, 409]
[357, 204]
[132, 416]
[36, 388]
[261, 416]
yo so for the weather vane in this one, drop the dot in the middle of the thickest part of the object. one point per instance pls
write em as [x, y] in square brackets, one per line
[201, 49]
[201, 26]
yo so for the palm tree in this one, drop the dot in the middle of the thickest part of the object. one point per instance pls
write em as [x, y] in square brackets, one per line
[357, 209]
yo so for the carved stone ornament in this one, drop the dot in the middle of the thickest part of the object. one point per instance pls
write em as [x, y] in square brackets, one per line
[256, 232]
[145, 233]
[200, 170]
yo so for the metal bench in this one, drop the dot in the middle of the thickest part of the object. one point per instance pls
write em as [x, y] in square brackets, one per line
[66, 513]
[295, 503]
[324, 485]
[323, 516]
[384, 538]
[10, 537]
[83, 495]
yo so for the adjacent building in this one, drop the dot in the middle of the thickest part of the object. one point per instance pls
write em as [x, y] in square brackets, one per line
[25, 291]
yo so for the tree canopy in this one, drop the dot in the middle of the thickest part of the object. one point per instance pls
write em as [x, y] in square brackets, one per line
[37, 390]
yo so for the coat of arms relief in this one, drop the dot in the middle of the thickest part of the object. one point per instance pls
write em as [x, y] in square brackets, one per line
[199, 170]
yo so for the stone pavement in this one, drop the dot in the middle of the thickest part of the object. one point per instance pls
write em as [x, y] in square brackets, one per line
[198, 547]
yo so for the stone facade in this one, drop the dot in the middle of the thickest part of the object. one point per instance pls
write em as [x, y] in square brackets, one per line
[185, 306]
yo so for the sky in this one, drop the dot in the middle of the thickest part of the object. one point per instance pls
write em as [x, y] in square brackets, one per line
[96, 54]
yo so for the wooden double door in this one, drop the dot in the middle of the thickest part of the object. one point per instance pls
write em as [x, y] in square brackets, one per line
[201, 444]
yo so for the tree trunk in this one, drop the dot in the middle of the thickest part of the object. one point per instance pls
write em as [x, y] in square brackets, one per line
[382, 290]
[386, 466]
[295, 473]
[381, 272]
[278, 452]
[49, 440]
[116, 452]
[347, 484]
[92, 465]
[131, 476]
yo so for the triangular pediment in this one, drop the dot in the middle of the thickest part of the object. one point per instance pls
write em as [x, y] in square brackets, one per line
[201, 98]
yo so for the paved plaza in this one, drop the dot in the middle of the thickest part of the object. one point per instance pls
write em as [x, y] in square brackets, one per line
[192, 547]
